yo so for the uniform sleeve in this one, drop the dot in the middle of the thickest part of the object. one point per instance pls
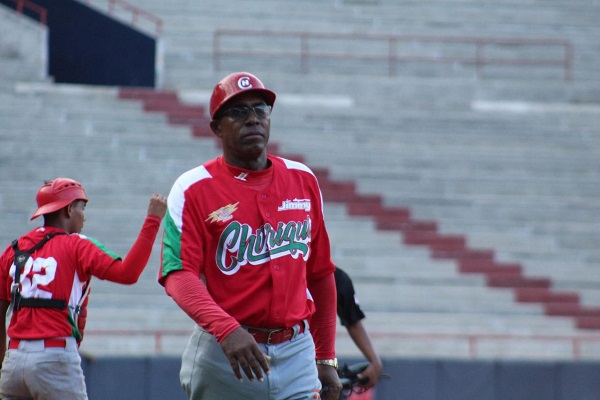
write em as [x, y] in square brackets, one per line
[348, 309]
[321, 284]
[192, 296]
[322, 322]
[182, 262]
[181, 245]
[129, 270]
[320, 263]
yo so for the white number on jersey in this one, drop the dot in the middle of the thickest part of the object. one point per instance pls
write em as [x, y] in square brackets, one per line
[40, 271]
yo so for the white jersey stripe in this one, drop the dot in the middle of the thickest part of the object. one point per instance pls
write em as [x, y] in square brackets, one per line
[176, 199]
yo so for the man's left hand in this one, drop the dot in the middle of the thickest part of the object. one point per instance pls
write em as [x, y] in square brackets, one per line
[329, 378]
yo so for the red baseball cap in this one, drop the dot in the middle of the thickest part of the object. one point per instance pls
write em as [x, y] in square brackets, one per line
[234, 84]
[56, 194]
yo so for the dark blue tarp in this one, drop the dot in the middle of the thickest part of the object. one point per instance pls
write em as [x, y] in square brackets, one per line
[88, 47]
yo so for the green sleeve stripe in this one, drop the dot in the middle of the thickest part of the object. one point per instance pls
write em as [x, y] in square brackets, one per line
[104, 249]
[171, 246]
[171, 253]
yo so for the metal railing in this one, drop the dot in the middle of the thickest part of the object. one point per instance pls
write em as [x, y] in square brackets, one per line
[22, 5]
[137, 13]
[473, 341]
[304, 50]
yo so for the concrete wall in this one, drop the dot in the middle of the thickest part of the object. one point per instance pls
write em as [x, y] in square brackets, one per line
[23, 47]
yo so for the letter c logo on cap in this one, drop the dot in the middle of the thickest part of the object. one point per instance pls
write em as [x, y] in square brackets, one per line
[244, 83]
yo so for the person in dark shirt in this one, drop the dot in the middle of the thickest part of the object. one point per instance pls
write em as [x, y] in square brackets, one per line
[351, 316]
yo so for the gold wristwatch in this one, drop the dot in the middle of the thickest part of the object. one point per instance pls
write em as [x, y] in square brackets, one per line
[332, 362]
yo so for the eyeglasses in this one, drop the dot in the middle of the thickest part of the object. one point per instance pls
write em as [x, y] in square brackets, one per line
[261, 111]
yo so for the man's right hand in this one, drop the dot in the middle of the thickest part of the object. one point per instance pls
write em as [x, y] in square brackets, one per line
[243, 352]
[158, 205]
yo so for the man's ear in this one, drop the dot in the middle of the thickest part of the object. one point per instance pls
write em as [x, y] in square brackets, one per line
[215, 126]
[69, 210]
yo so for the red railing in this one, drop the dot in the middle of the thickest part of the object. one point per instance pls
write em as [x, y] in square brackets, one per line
[21, 5]
[137, 14]
[305, 53]
[473, 340]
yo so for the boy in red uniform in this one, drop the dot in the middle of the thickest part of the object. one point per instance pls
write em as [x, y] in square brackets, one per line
[44, 280]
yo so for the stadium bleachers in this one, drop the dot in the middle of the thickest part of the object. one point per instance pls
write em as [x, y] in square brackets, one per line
[22, 48]
[506, 165]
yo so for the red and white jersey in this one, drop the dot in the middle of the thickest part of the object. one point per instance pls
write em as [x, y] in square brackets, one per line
[255, 238]
[58, 270]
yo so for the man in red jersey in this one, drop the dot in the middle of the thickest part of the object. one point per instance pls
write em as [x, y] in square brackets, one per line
[246, 255]
[44, 281]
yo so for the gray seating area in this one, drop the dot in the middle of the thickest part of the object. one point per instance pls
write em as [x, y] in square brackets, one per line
[189, 28]
[22, 48]
[508, 163]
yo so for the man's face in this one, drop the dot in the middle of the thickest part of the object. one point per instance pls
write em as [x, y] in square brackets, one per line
[244, 132]
[77, 216]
